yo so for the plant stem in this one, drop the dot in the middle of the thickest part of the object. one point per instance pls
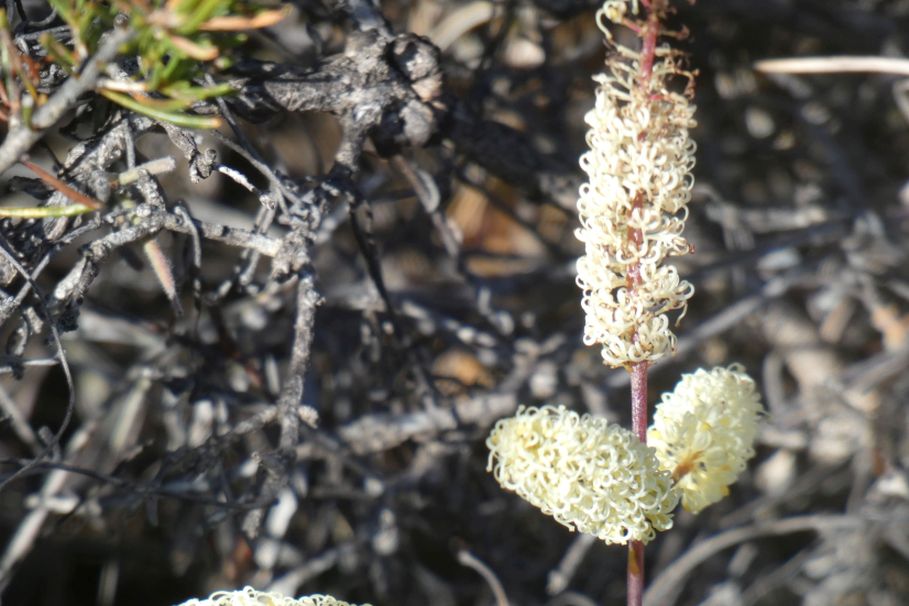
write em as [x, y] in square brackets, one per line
[639, 399]
[635, 577]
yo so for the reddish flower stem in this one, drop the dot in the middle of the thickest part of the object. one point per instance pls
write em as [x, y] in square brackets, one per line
[635, 577]
[649, 33]
[639, 419]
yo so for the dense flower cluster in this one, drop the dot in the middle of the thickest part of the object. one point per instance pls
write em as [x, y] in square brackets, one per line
[633, 207]
[589, 475]
[252, 597]
[704, 431]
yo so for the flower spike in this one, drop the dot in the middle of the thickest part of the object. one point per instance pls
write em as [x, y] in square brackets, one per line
[634, 205]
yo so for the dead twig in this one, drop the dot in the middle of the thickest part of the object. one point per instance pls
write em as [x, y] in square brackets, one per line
[669, 583]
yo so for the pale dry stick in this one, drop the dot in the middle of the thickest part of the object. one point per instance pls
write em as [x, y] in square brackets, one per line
[378, 432]
[382, 431]
[897, 66]
[76, 283]
[561, 576]
[291, 580]
[461, 21]
[34, 363]
[290, 399]
[161, 266]
[275, 527]
[157, 259]
[773, 579]
[471, 561]
[231, 236]
[124, 419]
[243, 181]
[665, 588]
[856, 64]
[108, 581]
[8, 305]
[18, 422]
[157, 166]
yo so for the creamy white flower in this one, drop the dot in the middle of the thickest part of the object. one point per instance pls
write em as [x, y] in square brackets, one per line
[633, 208]
[704, 431]
[252, 597]
[615, 10]
[591, 476]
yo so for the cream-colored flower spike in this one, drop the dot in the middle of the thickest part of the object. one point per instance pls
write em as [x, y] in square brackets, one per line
[252, 597]
[589, 475]
[704, 431]
[633, 207]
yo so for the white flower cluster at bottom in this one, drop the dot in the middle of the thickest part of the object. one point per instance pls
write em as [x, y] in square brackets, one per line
[252, 597]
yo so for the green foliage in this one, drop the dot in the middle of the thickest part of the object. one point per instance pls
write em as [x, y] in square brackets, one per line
[88, 20]
[176, 42]
[43, 212]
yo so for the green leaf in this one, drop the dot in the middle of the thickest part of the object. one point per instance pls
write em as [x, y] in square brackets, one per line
[42, 212]
[178, 118]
